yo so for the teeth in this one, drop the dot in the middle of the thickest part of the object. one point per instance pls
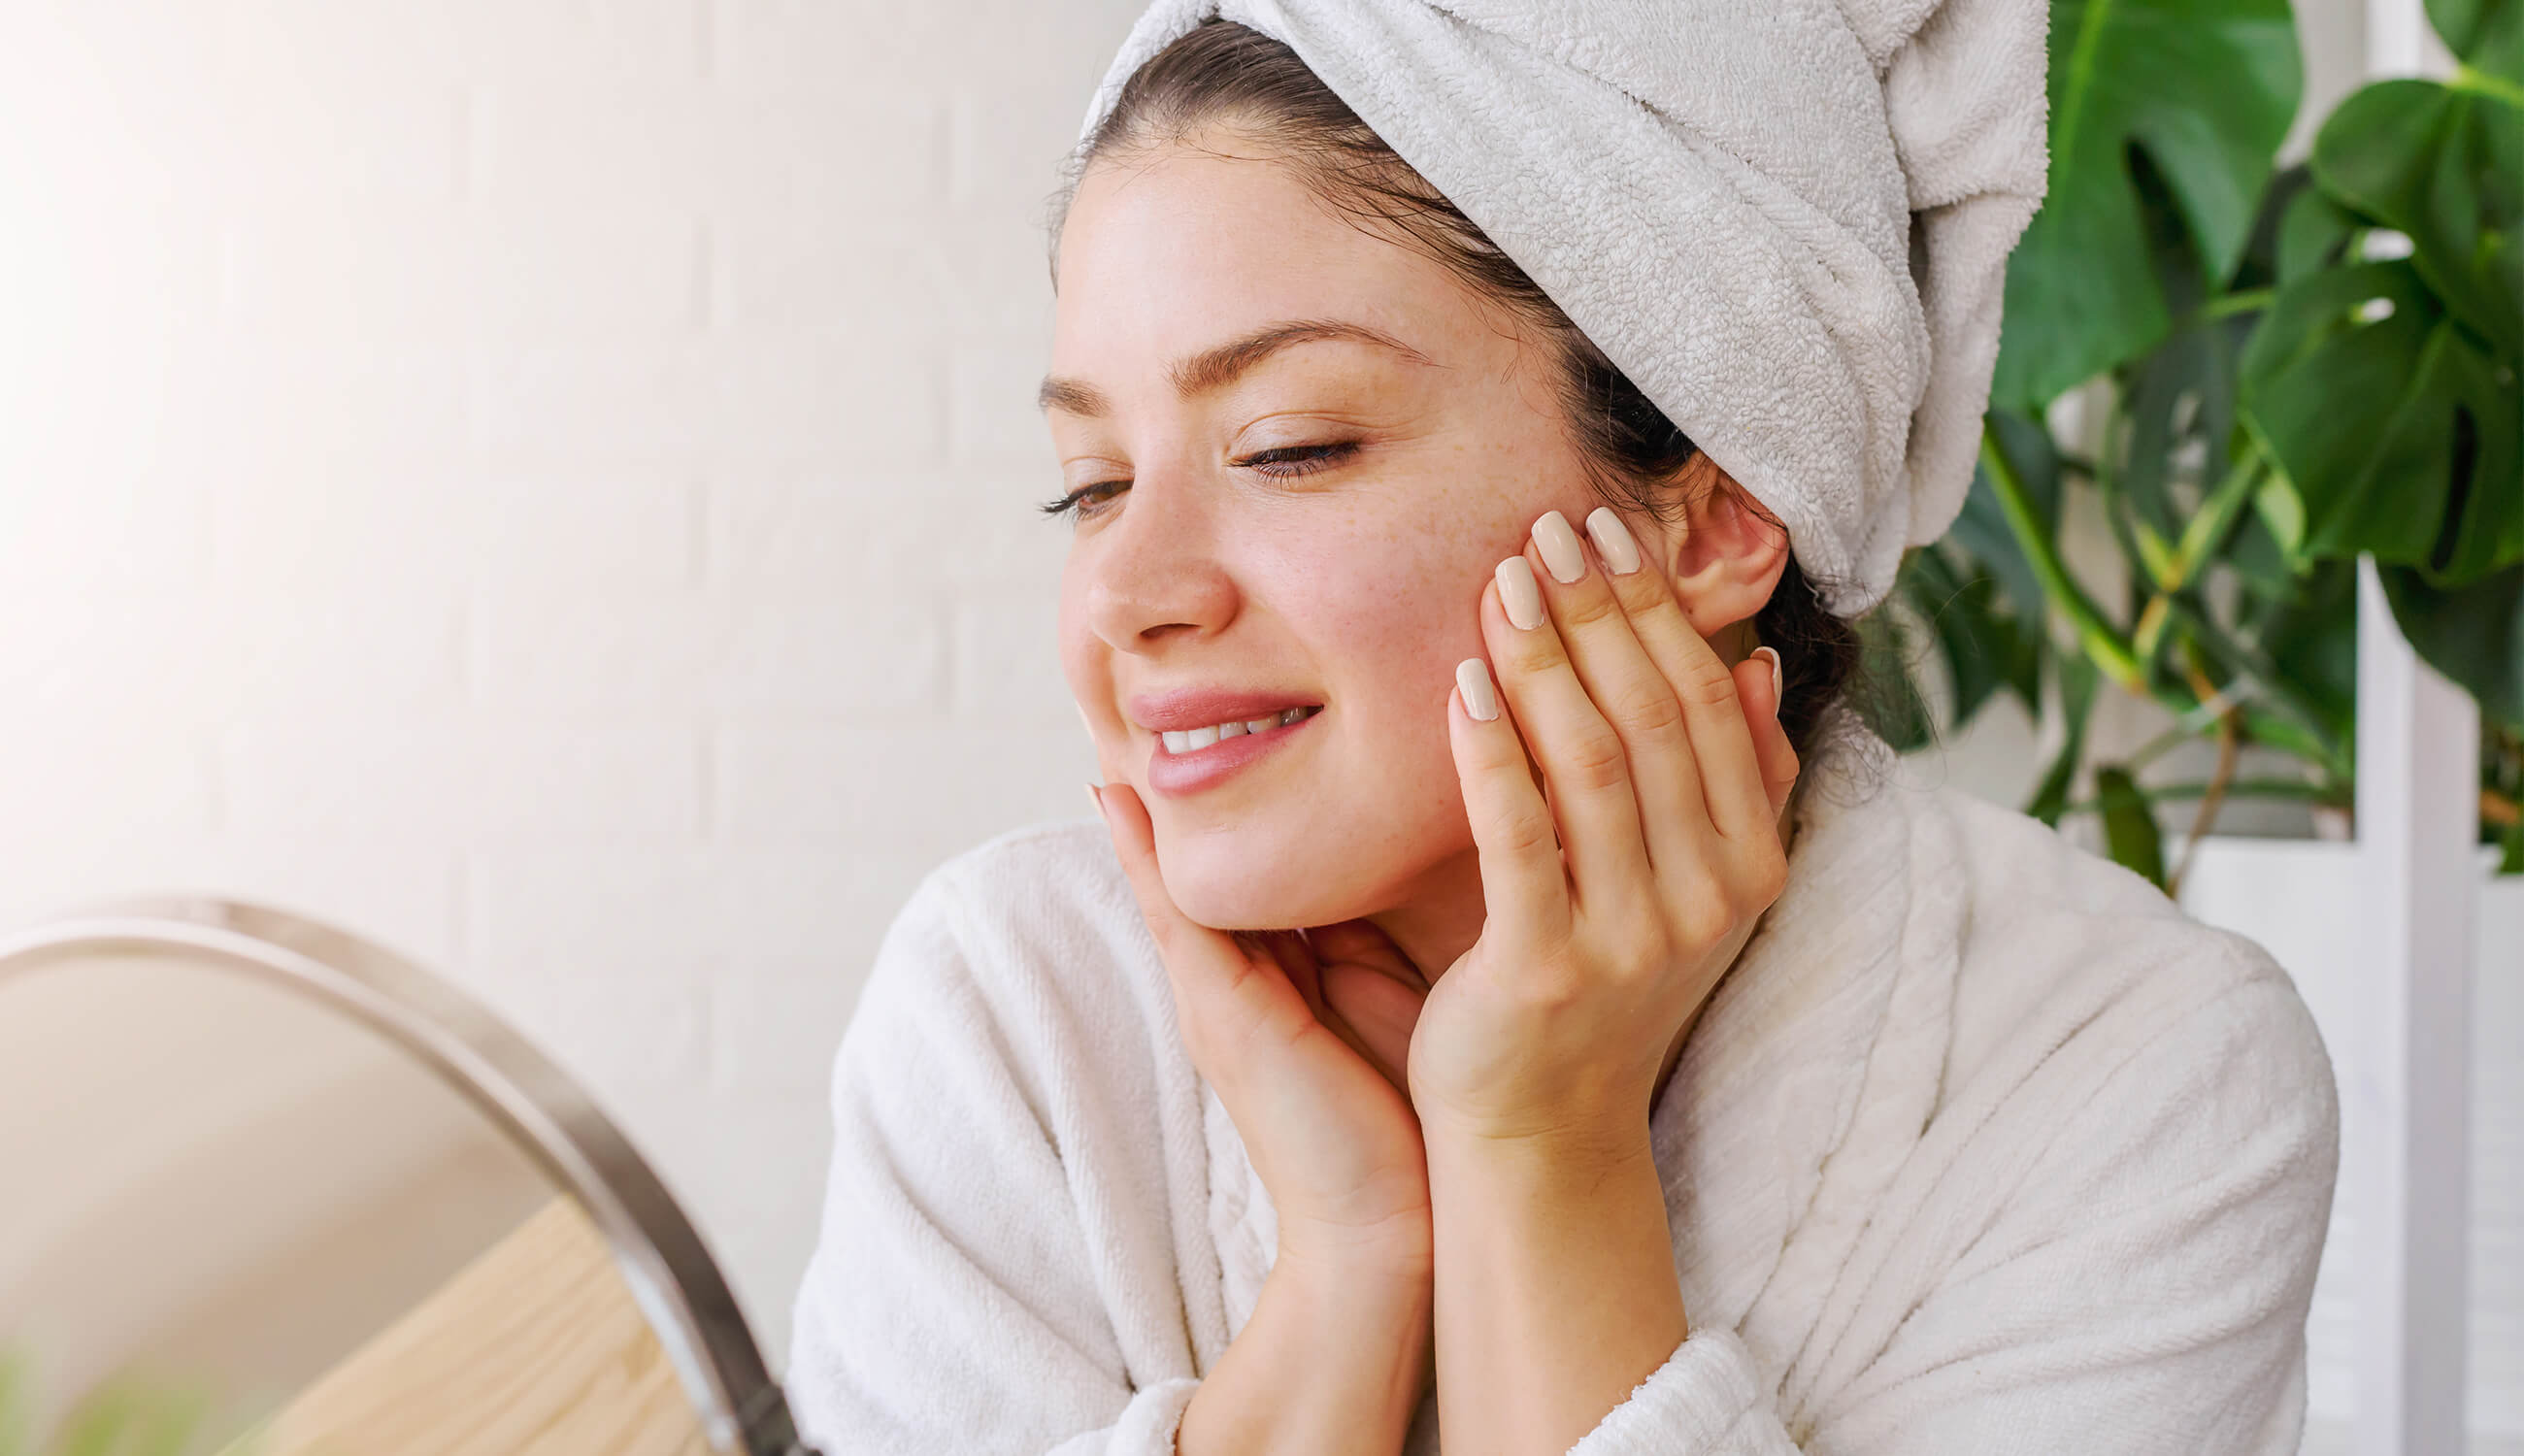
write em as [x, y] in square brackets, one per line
[1190, 740]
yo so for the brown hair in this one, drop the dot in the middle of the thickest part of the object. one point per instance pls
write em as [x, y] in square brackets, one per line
[1221, 72]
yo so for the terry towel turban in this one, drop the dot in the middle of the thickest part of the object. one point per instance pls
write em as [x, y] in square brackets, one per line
[1786, 220]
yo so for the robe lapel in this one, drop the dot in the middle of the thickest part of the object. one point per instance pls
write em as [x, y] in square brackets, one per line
[1817, 1063]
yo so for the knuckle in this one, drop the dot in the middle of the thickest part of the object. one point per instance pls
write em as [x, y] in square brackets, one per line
[1522, 831]
[1765, 876]
[1704, 911]
[1596, 759]
[1648, 710]
[1530, 652]
[1587, 608]
[1708, 680]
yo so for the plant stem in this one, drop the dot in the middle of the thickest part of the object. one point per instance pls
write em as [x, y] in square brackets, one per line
[2244, 302]
[2208, 527]
[2101, 643]
[2206, 816]
[2464, 78]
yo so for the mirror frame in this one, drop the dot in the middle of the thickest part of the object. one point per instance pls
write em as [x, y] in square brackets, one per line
[670, 1273]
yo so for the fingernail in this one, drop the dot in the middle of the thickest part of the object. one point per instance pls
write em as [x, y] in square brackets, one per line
[1096, 797]
[1082, 718]
[1480, 698]
[1613, 541]
[1560, 549]
[1519, 592]
[1778, 685]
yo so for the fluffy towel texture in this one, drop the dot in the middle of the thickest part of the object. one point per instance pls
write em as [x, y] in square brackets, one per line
[1786, 220]
[1983, 1145]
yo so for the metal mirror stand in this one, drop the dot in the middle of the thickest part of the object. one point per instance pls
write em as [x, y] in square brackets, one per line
[669, 1272]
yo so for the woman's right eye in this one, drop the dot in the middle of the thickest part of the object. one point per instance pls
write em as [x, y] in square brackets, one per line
[1069, 504]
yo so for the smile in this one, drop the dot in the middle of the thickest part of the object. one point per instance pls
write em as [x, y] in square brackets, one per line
[1192, 760]
[1191, 739]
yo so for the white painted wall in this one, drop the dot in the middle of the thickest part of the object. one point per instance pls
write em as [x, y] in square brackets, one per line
[548, 484]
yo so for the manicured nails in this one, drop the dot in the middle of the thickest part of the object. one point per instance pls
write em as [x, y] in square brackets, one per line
[1519, 592]
[1472, 680]
[1096, 797]
[1559, 547]
[1778, 685]
[1613, 541]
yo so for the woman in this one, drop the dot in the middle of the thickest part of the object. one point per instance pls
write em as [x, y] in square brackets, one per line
[1506, 989]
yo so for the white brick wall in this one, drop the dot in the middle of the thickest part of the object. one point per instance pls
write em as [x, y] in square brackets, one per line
[547, 484]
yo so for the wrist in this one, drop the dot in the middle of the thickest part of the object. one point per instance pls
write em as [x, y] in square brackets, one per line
[1580, 1150]
[1398, 1256]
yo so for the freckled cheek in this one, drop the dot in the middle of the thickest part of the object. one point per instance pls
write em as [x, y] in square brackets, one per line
[1385, 622]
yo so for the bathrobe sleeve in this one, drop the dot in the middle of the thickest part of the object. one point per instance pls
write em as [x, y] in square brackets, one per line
[2134, 1280]
[952, 1303]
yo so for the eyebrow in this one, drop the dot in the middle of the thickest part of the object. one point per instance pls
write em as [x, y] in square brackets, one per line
[1215, 368]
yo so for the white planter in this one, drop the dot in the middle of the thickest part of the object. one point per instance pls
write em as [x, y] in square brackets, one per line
[2302, 899]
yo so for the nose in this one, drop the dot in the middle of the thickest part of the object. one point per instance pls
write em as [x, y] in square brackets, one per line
[1155, 573]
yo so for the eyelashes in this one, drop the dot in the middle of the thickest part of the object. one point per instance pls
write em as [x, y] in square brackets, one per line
[1292, 460]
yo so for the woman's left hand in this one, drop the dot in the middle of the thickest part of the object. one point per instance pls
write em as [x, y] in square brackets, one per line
[1614, 905]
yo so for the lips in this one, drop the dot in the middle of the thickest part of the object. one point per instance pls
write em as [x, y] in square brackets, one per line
[1185, 708]
[1176, 774]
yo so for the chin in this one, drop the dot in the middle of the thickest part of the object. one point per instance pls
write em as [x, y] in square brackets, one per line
[1229, 882]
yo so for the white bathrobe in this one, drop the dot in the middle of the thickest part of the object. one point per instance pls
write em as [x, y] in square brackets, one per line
[1980, 1147]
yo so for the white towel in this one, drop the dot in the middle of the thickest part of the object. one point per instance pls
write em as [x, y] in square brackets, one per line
[1786, 220]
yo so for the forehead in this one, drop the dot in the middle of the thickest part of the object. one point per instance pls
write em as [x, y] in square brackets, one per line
[1168, 251]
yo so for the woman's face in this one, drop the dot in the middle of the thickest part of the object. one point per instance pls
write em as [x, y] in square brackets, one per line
[1212, 312]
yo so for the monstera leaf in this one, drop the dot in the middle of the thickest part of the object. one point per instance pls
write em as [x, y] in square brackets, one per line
[2205, 89]
[2472, 634]
[2387, 391]
[2442, 166]
[2397, 429]
[2487, 35]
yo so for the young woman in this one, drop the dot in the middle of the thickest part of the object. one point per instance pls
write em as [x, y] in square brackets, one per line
[1505, 990]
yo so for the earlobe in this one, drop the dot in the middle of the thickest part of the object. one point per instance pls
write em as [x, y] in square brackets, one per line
[1726, 559]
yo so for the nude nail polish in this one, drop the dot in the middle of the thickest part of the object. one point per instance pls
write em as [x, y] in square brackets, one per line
[1519, 592]
[1778, 686]
[1560, 548]
[1613, 541]
[1481, 697]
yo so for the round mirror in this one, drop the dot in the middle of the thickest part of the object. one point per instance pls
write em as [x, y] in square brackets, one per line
[272, 1190]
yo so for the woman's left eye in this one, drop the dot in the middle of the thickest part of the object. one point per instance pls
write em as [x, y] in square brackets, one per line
[1283, 462]
[1300, 460]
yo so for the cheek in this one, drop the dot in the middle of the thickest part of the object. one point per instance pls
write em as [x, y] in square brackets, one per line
[1385, 614]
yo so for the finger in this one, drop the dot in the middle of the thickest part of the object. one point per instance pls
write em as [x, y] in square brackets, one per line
[1524, 888]
[1628, 687]
[1376, 1015]
[1220, 991]
[1584, 766]
[1365, 941]
[1757, 683]
[1721, 744]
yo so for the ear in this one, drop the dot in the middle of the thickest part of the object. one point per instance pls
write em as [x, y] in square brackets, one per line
[1727, 554]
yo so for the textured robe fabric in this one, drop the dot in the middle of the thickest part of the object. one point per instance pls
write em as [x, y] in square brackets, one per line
[1981, 1146]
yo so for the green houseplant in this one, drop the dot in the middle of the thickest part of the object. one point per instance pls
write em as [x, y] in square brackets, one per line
[2296, 365]
[126, 1416]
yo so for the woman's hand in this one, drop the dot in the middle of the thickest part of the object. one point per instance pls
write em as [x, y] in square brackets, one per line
[1617, 890]
[1304, 1035]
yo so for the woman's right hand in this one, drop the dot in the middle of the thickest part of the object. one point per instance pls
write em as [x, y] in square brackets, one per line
[1315, 1081]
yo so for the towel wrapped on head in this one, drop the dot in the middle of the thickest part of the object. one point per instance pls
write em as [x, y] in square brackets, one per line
[1786, 220]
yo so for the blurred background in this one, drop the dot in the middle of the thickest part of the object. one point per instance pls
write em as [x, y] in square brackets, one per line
[548, 485]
